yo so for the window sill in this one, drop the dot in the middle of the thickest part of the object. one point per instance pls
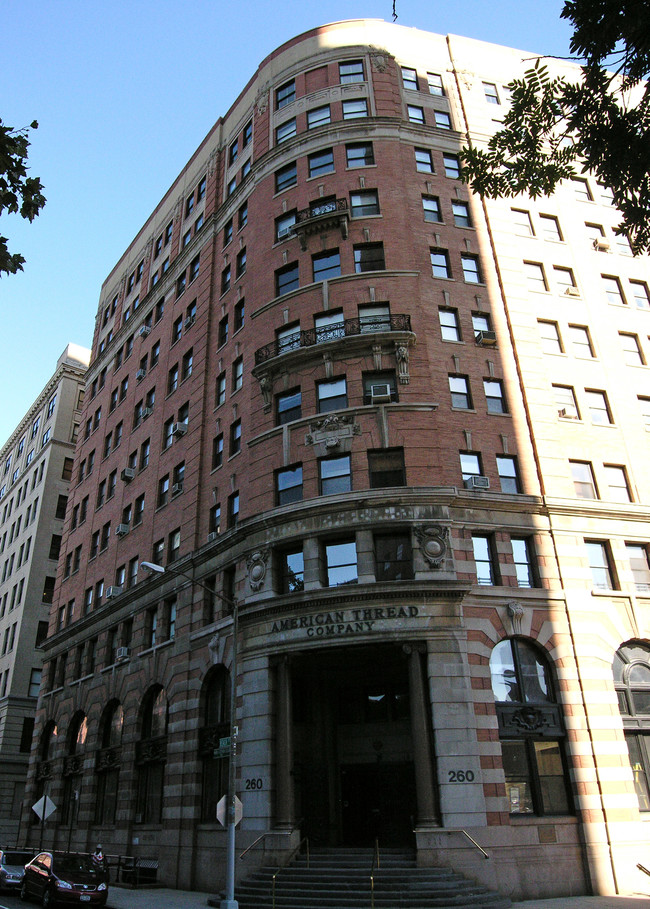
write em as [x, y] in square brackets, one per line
[522, 820]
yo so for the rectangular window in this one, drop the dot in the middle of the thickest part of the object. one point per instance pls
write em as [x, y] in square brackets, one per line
[471, 269]
[598, 407]
[640, 294]
[460, 392]
[549, 333]
[353, 110]
[284, 225]
[644, 406]
[321, 162]
[329, 326]
[470, 465]
[415, 113]
[359, 154]
[393, 557]
[235, 437]
[431, 208]
[565, 400]
[494, 396]
[486, 564]
[600, 565]
[461, 213]
[550, 228]
[288, 485]
[318, 116]
[452, 165]
[434, 81]
[292, 570]
[241, 263]
[581, 190]
[637, 554]
[386, 468]
[440, 263]
[286, 279]
[508, 473]
[285, 131]
[564, 278]
[233, 509]
[449, 325]
[334, 475]
[326, 265]
[409, 79]
[581, 341]
[364, 203]
[523, 556]
[613, 289]
[584, 483]
[285, 177]
[423, 161]
[618, 487]
[163, 491]
[522, 222]
[289, 406]
[369, 257]
[491, 93]
[331, 395]
[285, 94]
[351, 71]
[341, 563]
[535, 277]
[632, 353]
[442, 119]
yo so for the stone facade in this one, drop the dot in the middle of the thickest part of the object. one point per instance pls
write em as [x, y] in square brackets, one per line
[332, 387]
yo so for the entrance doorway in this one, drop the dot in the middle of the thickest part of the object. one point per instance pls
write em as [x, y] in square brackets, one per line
[353, 752]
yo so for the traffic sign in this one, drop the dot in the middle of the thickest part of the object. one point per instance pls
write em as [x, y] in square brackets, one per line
[222, 811]
[44, 807]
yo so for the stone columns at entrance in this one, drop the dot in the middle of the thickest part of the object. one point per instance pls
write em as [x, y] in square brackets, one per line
[420, 733]
[284, 807]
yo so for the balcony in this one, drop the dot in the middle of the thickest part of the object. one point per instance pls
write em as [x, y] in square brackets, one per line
[325, 214]
[347, 328]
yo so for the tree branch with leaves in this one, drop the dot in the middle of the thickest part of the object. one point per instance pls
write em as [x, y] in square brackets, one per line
[556, 129]
[19, 193]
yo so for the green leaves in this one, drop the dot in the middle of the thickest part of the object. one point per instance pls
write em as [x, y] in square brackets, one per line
[19, 194]
[556, 129]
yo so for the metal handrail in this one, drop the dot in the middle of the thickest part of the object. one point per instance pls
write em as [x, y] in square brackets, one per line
[284, 864]
[473, 842]
[255, 842]
[375, 864]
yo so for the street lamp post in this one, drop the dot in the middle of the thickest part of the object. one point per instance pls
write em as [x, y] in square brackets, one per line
[229, 902]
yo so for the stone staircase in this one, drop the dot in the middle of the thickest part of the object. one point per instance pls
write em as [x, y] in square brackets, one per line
[340, 879]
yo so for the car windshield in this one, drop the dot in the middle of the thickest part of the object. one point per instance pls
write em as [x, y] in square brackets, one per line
[69, 864]
[16, 858]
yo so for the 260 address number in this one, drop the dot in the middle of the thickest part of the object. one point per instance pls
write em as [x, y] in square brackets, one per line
[461, 776]
[254, 784]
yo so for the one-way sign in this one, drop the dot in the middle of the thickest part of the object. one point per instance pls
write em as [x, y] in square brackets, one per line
[44, 807]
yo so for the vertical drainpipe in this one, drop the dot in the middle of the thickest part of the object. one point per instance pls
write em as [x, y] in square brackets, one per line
[540, 479]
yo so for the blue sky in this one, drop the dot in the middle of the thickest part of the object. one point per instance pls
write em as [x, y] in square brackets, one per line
[124, 92]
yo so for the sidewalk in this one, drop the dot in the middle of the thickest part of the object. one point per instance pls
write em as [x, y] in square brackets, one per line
[121, 898]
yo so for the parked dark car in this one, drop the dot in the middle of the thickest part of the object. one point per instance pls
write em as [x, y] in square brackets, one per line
[64, 878]
[12, 867]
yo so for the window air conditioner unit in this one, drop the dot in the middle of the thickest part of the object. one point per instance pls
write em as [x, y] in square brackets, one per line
[380, 392]
[212, 536]
[601, 245]
[572, 291]
[189, 322]
[477, 483]
[140, 374]
[122, 653]
[113, 592]
[486, 338]
[177, 489]
[121, 530]
[146, 412]
[179, 429]
[128, 474]
[144, 331]
[567, 413]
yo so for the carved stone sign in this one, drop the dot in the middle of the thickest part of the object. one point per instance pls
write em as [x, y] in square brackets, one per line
[342, 621]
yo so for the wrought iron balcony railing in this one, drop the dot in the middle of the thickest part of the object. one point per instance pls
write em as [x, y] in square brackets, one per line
[335, 331]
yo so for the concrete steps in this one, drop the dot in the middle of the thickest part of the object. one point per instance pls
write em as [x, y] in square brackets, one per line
[340, 879]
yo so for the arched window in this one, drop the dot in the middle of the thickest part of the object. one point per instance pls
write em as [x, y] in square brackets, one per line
[631, 669]
[213, 747]
[151, 756]
[530, 729]
[107, 766]
[73, 767]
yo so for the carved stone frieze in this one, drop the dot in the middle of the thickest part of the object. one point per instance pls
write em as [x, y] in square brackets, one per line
[434, 543]
[256, 564]
[332, 429]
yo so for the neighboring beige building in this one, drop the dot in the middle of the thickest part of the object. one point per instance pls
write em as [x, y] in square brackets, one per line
[408, 432]
[35, 471]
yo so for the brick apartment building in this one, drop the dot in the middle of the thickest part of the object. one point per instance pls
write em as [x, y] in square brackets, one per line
[407, 432]
[35, 472]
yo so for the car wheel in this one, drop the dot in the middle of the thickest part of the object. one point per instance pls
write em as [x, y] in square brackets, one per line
[23, 892]
[48, 899]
